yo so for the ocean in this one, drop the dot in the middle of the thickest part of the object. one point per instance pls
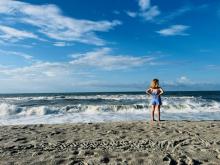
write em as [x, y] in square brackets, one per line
[54, 108]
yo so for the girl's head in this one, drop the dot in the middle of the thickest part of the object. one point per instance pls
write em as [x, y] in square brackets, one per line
[154, 83]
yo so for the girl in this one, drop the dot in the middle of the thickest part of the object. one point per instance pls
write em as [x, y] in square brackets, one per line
[155, 91]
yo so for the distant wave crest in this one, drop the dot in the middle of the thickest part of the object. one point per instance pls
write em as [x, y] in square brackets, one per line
[170, 105]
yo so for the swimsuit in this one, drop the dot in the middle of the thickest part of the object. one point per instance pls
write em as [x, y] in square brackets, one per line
[156, 100]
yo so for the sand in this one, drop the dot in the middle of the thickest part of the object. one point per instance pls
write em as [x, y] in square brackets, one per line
[173, 142]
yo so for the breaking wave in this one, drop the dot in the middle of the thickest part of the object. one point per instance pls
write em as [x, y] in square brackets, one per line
[170, 105]
[104, 107]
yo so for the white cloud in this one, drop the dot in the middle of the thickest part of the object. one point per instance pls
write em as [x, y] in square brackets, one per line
[50, 21]
[151, 13]
[147, 12]
[13, 53]
[64, 76]
[12, 34]
[183, 80]
[76, 68]
[178, 12]
[144, 4]
[181, 11]
[100, 85]
[174, 30]
[132, 14]
[38, 77]
[104, 59]
[42, 77]
[191, 87]
[60, 44]
[36, 71]
[39, 71]
[213, 67]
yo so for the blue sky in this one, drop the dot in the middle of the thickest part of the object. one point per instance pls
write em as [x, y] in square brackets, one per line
[83, 45]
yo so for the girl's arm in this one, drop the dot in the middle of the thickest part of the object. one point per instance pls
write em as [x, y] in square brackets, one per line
[161, 91]
[148, 91]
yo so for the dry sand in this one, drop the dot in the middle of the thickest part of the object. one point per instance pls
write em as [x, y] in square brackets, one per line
[173, 142]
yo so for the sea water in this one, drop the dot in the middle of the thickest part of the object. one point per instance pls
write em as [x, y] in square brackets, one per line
[57, 108]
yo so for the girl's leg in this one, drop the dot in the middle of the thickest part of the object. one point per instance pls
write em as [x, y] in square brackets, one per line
[152, 112]
[158, 112]
[152, 115]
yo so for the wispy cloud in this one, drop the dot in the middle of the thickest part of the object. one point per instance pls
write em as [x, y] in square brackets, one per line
[174, 30]
[180, 12]
[62, 76]
[14, 53]
[49, 20]
[60, 44]
[39, 76]
[186, 84]
[192, 87]
[37, 71]
[65, 74]
[172, 15]
[11, 34]
[213, 67]
[151, 13]
[144, 4]
[146, 11]
[100, 85]
[104, 59]
[132, 14]
[184, 80]
[175, 85]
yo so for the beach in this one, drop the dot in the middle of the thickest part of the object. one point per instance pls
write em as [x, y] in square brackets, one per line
[81, 81]
[131, 142]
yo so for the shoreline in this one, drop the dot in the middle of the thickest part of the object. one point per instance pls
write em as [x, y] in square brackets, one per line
[130, 142]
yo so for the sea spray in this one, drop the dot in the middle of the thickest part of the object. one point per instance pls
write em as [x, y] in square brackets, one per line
[99, 107]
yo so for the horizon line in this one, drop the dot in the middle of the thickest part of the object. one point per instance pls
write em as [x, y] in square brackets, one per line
[105, 92]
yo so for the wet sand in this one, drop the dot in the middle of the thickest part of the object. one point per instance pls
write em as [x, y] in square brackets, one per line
[173, 142]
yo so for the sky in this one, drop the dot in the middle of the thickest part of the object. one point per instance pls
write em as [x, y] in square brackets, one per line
[111, 45]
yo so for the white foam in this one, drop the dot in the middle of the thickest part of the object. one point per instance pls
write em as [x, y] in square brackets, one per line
[103, 117]
[130, 107]
[7, 109]
[13, 110]
[94, 97]
[39, 111]
[171, 105]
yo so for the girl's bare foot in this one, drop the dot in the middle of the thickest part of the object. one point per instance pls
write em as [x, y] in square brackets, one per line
[158, 122]
[151, 123]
